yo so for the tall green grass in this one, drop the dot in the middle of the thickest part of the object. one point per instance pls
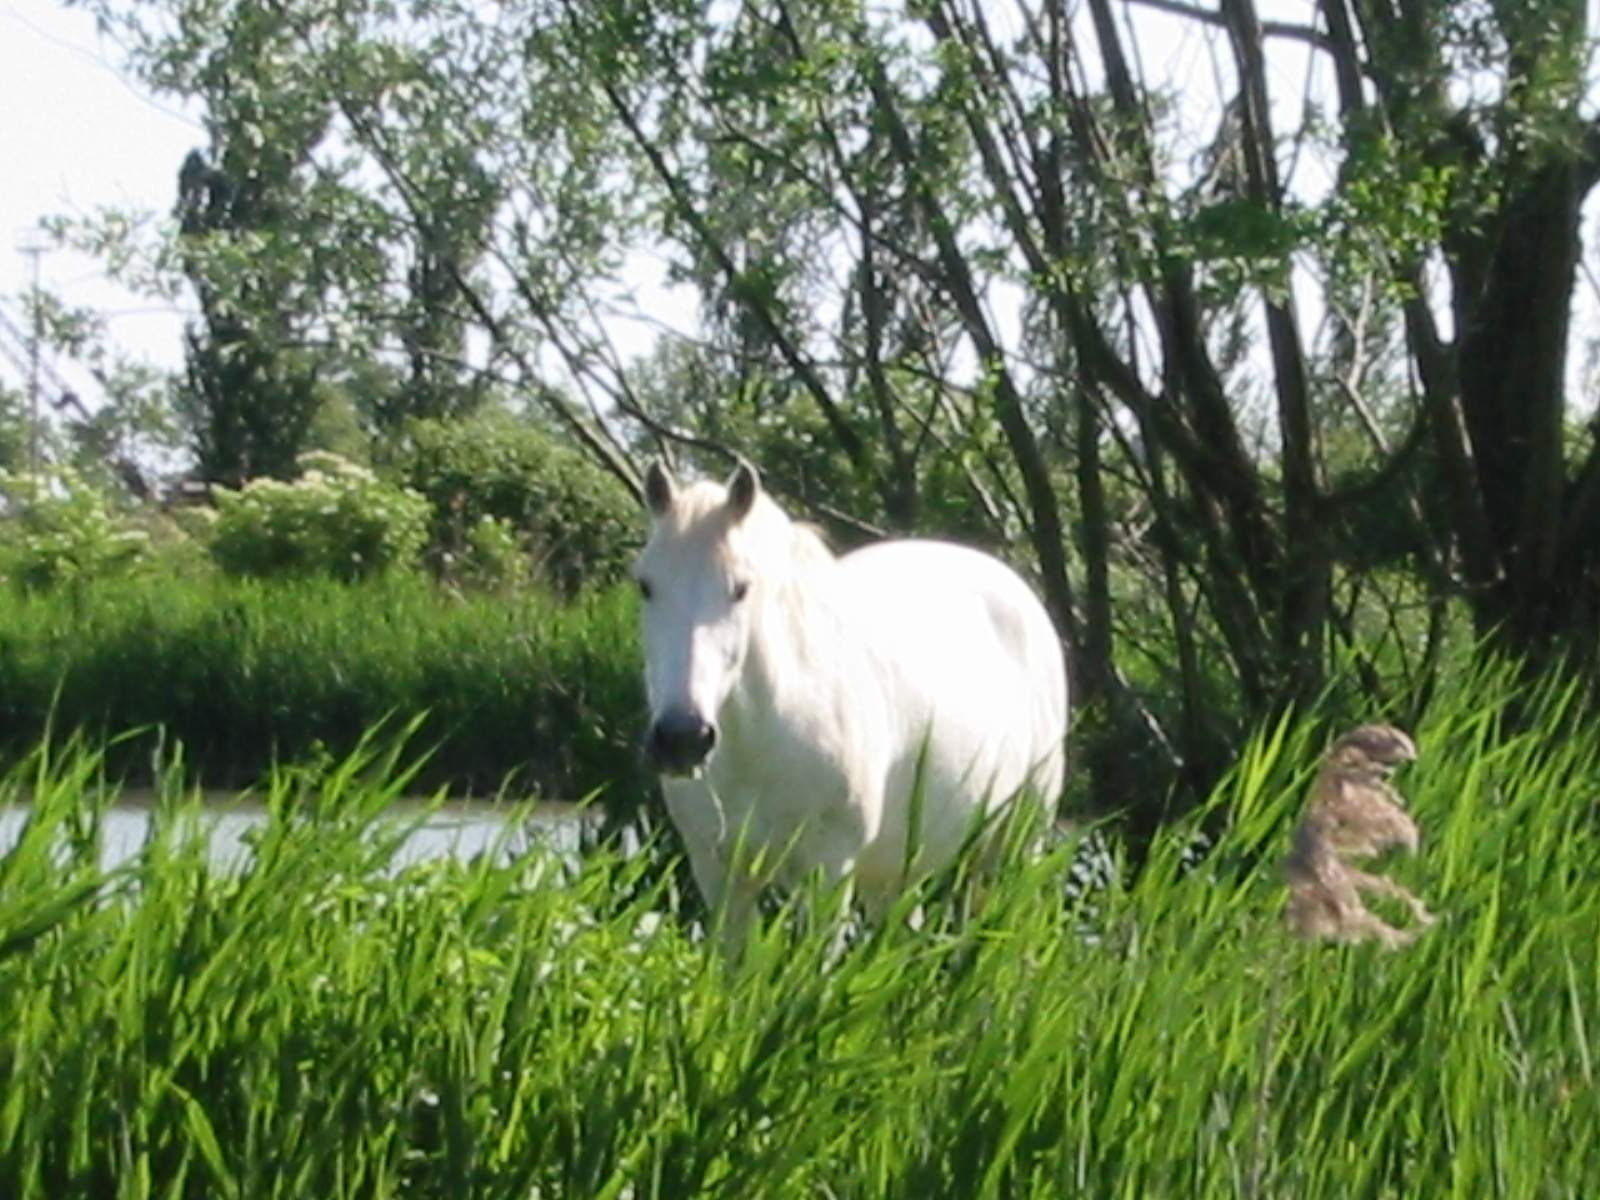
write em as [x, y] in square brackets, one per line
[317, 1023]
[245, 674]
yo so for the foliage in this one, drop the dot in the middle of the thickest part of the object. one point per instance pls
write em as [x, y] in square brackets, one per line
[493, 557]
[133, 415]
[13, 429]
[250, 672]
[323, 1018]
[1200, 323]
[336, 519]
[338, 223]
[577, 522]
[64, 530]
[250, 392]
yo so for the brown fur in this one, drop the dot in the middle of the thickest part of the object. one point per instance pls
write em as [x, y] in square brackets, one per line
[1353, 813]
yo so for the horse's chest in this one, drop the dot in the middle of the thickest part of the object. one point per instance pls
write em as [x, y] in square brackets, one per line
[782, 788]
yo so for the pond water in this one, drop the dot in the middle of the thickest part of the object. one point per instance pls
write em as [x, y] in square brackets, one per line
[463, 828]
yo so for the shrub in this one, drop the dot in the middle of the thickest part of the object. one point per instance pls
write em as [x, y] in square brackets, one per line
[65, 531]
[494, 557]
[577, 523]
[337, 519]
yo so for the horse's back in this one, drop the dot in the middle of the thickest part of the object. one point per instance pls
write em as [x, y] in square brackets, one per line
[976, 652]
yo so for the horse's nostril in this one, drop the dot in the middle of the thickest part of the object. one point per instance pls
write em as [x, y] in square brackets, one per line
[680, 741]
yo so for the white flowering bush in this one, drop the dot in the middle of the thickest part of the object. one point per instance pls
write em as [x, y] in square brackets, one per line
[62, 530]
[337, 519]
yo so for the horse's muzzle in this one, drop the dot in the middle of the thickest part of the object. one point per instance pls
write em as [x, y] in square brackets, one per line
[680, 742]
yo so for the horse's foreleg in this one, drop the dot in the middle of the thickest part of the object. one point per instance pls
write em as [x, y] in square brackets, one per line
[729, 893]
[721, 868]
[734, 914]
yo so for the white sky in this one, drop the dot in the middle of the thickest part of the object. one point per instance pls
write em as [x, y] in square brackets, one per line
[75, 136]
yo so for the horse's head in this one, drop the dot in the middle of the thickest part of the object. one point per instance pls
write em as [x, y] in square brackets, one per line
[697, 578]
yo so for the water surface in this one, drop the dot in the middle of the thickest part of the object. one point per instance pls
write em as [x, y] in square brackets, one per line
[462, 828]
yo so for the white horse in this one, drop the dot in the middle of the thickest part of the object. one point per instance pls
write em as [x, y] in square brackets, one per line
[799, 699]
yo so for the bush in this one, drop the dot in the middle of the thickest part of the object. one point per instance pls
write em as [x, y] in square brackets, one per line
[337, 519]
[494, 557]
[576, 522]
[65, 532]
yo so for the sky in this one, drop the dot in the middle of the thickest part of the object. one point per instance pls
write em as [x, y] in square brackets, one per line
[76, 135]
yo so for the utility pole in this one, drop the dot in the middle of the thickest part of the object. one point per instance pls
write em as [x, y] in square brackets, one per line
[32, 245]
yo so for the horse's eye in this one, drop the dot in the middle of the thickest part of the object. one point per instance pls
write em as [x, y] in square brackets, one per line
[645, 589]
[740, 591]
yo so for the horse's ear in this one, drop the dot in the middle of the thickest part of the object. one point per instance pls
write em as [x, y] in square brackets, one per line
[659, 488]
[742, 490]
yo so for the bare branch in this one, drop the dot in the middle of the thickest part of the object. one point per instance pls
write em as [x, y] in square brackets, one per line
[1211, 16]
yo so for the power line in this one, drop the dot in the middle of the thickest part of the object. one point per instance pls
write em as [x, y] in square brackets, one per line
[16, 347]
[22, 349]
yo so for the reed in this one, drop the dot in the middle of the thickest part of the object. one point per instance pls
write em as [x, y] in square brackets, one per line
[319, 1021]
[246, 674]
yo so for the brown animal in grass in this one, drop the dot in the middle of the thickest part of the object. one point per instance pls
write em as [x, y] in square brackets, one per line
[1353, 813]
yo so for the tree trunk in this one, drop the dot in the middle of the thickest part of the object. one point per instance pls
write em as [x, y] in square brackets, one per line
[1512, 295]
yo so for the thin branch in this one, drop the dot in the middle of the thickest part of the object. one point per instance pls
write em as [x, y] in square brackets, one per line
[1210, 16]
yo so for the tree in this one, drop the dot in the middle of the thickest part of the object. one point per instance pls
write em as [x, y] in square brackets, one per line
[1154, 296]
[310, 283]
[252, 227]
[13, 430]
[1516, 163]
[1215, 356]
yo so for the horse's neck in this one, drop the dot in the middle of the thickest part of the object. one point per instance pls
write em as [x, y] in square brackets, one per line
[804, 642]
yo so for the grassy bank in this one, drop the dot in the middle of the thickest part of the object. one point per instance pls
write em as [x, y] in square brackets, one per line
[245, 674]
[317, 1025]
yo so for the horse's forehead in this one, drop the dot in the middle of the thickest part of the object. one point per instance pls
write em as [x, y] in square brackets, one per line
[695, 531]
[688, 542]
